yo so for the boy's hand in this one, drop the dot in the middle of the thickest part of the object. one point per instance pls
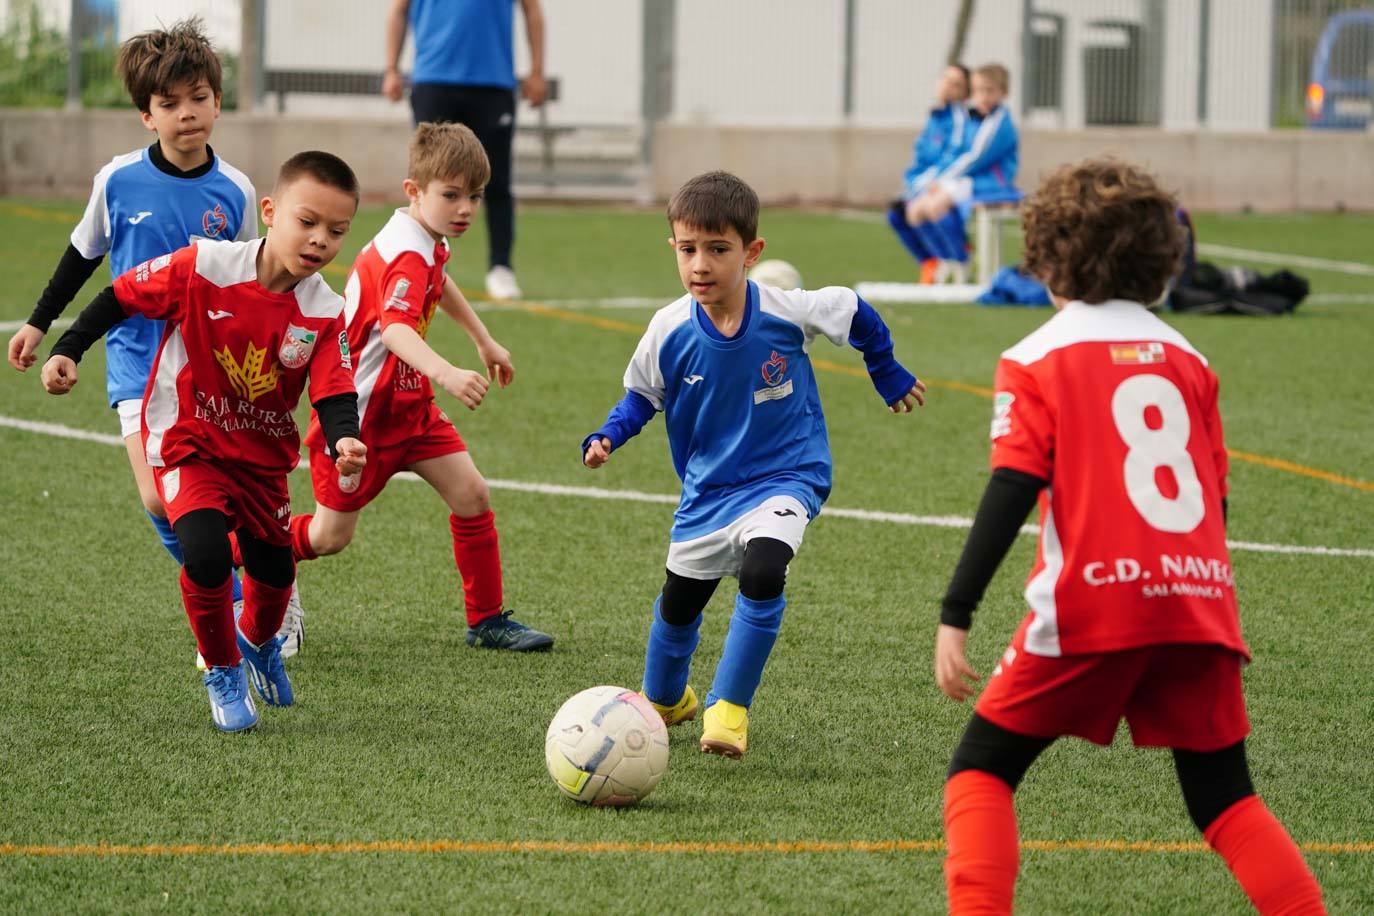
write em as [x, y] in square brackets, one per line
[914, 398]
[464, 384]
[913, 210]
[22, 345]
[59, 374]
[350, 456]
[393, 87]
[497, 360]
[952, 672]
[597, 453]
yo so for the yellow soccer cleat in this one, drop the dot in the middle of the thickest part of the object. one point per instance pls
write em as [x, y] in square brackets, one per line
[725, 730]
[685, 710]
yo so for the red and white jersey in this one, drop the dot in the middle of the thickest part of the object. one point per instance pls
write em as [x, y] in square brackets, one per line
[234, 357]
[398, 277]
[1119, 413]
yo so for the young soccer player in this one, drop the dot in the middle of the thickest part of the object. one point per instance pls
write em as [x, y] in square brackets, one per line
[728, 366]
[247, 323]
[397, 282]
[1108, 417]
[147, 203]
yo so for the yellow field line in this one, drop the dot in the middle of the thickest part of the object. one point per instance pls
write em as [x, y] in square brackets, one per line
[1280, 464]
[563, 847]
[28, 212]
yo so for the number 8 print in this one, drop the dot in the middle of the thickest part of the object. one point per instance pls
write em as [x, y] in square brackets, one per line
[1150, 449]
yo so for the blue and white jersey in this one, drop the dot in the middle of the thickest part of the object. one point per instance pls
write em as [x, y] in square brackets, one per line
[138, 212]
[991, 155]
[743, 414]
[941, 140]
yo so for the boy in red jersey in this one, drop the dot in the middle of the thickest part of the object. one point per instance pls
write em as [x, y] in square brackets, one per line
[1108, 417]
[397, 282]
[247, 324]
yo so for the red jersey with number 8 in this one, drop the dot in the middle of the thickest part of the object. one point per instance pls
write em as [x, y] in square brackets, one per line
[1118, 412]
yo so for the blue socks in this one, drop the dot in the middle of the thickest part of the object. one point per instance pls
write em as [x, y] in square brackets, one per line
[668, 658]
[909, 236]
[168, 537]
[753, 630]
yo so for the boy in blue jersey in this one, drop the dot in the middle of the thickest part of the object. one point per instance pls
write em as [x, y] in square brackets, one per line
[941, 140]
[728, 366]
[985, 167]
[148, 203]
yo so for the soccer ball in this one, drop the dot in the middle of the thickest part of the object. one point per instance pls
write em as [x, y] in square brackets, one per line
[776, 273]
[606, 746]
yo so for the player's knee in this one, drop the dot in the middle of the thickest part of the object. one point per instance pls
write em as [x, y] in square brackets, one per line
[1213, 781]
[473, 498]
[269, 564]
[995, 750]
[684, 599]
[207, 563]
[763, 573]
[153, 504]
[329, 542]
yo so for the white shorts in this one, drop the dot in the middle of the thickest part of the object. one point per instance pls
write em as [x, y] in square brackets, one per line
[960, 190]
[721, 552]
[130, 417]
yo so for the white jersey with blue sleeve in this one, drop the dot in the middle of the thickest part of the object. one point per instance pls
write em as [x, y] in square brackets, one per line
[744, 414]
[138, 212]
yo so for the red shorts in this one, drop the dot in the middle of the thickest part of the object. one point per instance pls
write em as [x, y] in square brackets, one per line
[253, 502]
[1181, 696]
[432, 437]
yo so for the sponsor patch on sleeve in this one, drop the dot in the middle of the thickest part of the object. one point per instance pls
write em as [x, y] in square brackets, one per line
[397, 299]
[1001, 414]
[345, 357]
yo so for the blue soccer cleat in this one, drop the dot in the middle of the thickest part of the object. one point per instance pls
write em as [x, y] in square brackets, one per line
[266, 670]
[231, 705]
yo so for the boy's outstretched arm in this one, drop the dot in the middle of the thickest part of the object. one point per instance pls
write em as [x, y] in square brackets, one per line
[464, 384]
[495, 357]
[1008, 499]
[901, 391]
[104, 312]
[72, 272]
[623, 423]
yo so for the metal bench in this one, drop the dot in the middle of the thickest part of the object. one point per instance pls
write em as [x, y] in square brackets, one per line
[990, 214]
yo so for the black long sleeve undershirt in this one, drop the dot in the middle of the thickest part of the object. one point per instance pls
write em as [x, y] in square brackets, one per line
[71, 274]
[103, 313]
[1008, 499]
[338, 415]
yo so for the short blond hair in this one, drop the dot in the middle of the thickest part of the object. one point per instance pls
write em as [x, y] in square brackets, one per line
[448, 151]
[997, 75]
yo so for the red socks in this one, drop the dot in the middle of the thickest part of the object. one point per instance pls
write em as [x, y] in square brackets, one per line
[980, 829]
[479, 563]
[211, 612]
[264, 608]
[1264, 859]
[300, 538]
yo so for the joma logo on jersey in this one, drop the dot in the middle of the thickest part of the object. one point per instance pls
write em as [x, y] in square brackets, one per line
[774, 368]
[249, 378]
[213, 221]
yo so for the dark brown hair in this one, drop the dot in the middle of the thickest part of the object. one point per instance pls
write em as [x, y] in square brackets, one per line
[155, 61]
[448, 151]
[326, 168]
[715, 201]
[1102, 229]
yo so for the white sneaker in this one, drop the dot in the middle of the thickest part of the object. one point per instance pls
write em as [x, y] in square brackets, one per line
[293, 624]
[501, 283]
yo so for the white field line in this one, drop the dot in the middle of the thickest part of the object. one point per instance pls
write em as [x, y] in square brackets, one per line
[665, 499]
[9, 327]
[1340, 299]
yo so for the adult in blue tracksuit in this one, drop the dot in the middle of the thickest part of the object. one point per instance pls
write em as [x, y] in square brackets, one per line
[985, 168]
[940, 141]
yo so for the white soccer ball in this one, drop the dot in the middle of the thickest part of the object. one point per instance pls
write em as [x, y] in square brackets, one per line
[606, 746]
[776, 273]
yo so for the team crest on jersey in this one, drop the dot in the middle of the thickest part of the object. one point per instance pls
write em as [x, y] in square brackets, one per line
[250, 378]
[345, 357]
[774, 368]
[171, 484]
[1001, 413]
[297, 347]
[397, 299]
[213, 221]
[1138, 354]
[148, 268]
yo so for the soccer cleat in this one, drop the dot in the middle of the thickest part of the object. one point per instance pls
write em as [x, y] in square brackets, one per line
[265, 669]
[725, 729]
[501, 631]
[501, 283]
[231, 705]
[685, 710]
[292, 629]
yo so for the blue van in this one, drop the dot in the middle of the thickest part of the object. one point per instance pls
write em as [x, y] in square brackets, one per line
[1339, 95]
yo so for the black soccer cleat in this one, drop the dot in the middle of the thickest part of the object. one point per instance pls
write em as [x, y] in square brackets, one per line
[502, 631]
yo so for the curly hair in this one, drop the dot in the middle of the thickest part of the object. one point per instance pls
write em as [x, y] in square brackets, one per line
[1102, 229]
[153, 62]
